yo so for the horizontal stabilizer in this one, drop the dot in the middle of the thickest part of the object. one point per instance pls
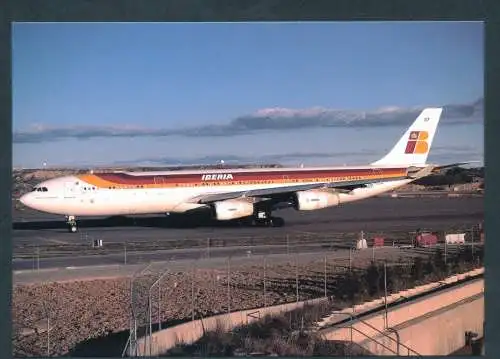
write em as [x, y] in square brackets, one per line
[438, 169]
[417, 172]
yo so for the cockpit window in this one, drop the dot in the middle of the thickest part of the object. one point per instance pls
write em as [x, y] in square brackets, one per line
[44, 189]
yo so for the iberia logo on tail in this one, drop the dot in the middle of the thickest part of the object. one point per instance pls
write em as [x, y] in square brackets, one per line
[417, 142]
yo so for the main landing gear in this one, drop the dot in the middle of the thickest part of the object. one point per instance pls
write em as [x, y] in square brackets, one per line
[264, 218]
[71, 223]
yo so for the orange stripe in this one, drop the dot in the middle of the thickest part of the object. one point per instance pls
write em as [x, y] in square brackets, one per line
[100, 183]
[96, 181]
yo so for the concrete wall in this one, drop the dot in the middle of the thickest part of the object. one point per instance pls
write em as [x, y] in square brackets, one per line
[418, 323]
[367, 306]
[439, 333]
[192, 331]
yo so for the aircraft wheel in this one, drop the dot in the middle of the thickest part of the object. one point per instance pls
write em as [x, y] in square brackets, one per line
[276, 222]
[260, 223]
[72, 228]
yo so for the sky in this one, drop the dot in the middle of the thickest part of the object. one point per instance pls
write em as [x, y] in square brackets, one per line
[328, 93]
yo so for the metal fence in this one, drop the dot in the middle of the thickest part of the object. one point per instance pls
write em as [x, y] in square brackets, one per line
[301, 277]
[245, 280]
[129, 252]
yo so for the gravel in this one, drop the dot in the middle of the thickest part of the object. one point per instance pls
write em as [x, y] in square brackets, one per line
[82, 310]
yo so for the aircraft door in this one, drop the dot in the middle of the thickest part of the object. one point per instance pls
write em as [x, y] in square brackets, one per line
[69, 189]
[159, 180]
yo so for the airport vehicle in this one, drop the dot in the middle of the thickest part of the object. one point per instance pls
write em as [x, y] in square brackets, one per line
[247, 194]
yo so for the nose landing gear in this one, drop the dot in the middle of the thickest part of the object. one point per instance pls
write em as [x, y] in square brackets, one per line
[71, 223]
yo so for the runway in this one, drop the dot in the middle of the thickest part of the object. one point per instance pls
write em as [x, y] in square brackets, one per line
[374, 216]
[377, 214]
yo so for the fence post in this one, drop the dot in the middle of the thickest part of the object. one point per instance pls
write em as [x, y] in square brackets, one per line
[159, 305]
[297, 276]
[326, 294]
[228, 285]
[265, 298]
[445, 251]
[472, 245]
[192, 294]
[287, 245]
[48, 335]
[385, 294]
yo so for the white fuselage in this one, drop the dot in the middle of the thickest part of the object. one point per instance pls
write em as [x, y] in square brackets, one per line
[109, 194]
[64, 197]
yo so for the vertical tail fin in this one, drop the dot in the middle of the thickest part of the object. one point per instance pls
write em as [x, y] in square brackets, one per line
[413, 148]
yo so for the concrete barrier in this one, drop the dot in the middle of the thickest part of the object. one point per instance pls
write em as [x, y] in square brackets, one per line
[416, 323]
[412, 292]
[441, 332]
[192, 331]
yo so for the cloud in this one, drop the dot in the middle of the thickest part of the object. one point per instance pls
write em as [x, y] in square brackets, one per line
[269, 119]
[237, 160]
[440, 154]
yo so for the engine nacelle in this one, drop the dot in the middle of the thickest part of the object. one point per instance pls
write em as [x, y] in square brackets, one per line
[315, 199]
[232, 209]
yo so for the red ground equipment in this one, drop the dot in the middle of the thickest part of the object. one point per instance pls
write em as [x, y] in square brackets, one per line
[378, 241]
[426, 239]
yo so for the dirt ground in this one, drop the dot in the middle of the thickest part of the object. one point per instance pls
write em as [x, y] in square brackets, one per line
[82, 310]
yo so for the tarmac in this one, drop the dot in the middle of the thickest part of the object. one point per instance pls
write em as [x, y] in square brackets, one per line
[373, 216]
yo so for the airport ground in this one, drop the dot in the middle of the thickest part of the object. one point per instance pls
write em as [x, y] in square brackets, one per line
[83, 313]
[146, 238]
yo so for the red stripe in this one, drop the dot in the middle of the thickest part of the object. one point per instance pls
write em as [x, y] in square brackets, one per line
[127, 179]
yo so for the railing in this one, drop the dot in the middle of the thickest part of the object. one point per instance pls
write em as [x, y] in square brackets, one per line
[126, 345]
[254, 315]
[353, 317]
[375, 341]
[398, 342]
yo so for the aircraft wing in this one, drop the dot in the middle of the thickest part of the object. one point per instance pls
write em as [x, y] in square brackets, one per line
[283, 192]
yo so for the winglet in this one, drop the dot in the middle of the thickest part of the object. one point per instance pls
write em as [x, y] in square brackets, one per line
[413, 148]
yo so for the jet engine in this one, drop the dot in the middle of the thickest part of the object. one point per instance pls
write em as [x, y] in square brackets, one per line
[232, 209]
[315, 199]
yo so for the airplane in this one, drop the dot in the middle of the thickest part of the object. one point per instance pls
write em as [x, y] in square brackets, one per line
[242, 194]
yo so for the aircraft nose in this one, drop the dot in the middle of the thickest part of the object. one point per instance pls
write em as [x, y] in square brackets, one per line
[26, 199]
